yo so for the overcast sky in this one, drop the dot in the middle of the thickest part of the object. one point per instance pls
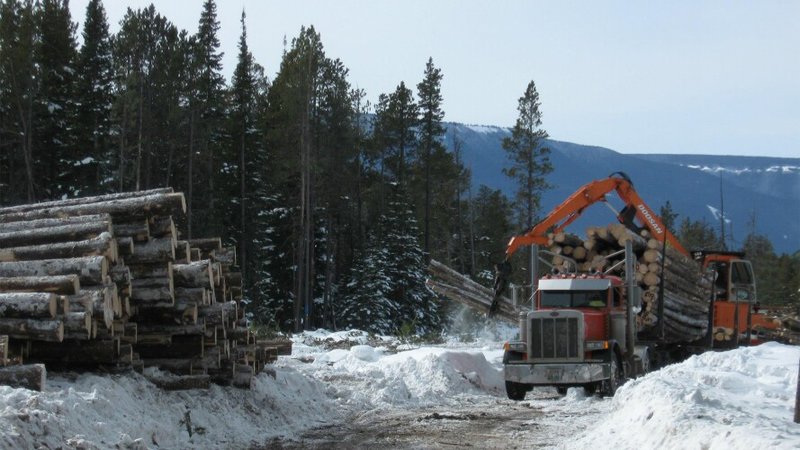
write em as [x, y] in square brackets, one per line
[636, 77]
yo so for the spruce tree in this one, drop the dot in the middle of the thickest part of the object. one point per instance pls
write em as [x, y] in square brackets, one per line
[19, 88]
[209, 90]
[397, 117]
[366, 302]
[529, 156]
[95, 97]
[418, 307]
[431, 131]
[55, 55]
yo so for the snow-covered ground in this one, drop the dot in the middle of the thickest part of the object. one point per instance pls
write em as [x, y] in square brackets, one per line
[737, 399]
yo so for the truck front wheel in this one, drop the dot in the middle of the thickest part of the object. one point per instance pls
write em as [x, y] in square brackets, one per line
[516, 391]
[615, 381]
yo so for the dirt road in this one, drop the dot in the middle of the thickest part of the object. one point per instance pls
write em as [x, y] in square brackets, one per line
[541, 421]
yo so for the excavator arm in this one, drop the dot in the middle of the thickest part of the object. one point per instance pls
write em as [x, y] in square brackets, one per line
[589, 194]
[572, 208]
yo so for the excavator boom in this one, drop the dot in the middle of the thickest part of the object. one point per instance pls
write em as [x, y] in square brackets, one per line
[572, 208]
[589, 194]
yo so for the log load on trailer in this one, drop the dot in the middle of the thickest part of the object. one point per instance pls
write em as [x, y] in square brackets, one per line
[643, 302]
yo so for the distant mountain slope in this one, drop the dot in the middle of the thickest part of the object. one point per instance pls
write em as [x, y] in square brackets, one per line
[774, 199]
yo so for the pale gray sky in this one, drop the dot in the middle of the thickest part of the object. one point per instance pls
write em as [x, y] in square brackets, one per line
[714, 77]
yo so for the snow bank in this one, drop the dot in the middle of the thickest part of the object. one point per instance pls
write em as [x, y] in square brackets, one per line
[364, 376]
[129, 412]
[741, 398]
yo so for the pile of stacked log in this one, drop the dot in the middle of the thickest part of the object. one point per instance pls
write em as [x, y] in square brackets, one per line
[686, 289]
[107, 282]
[455, 286]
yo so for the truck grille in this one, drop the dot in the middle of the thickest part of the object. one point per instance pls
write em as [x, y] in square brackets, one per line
[554, 337]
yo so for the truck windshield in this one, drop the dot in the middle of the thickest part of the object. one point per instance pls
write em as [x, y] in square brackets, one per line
[573, 299]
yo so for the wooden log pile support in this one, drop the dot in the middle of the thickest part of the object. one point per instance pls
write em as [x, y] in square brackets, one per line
[107, 282]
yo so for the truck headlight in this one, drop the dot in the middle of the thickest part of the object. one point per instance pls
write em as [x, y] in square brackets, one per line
[596, 345]
[520, 347]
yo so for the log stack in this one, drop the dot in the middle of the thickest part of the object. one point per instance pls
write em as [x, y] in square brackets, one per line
[108, 282]
[687, 289]
[451, 284]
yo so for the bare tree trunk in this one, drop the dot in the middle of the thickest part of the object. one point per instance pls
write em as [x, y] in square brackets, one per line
[190, 181]
[139, 140]
[244, 237]
[122, 130]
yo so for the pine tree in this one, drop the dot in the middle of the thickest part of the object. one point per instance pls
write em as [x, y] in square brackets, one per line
[668, 216]
[55, 55]
[209, 92]
[19, 88]
[95, 97]
[397, 116]
[366, 302]
[418, 307]
[431, 131]
[698, 235]
[492, 224]
[529, 156]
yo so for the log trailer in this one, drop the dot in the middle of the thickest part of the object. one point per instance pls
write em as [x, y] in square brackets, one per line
[581, 332]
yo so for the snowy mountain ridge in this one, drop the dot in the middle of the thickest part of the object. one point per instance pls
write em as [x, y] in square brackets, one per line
[755, 189]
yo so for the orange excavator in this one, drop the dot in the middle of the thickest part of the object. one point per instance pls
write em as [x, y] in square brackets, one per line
[735, 285]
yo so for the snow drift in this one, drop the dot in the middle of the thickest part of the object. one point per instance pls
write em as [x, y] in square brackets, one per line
[741, 398]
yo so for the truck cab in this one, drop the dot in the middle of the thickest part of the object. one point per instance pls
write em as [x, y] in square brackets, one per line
[574, 336]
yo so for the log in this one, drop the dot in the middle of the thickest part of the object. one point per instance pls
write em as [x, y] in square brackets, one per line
[195, 254]
[54, 222]
[119, 209]
[91, 270]
[206, 245]
[78, 324]
[49, 235]
[4, 351]
[200, 296]
[225, 256]
[28, 376]
[124, 246]
[121, 277]
[183, 382]
[182, 313]
[83, 200]
[28, 305]
[151, 270]
[136, 231]
[152, 290]
[172, 330]
[103, 245]
[183, 254]
[193, 275]
[55, 284]
[77, 353]
[163, 227]
[32, 329]
[218, 313]
[153, 339]
[130, 333]
[99, 302]
[563, 238]
[188, 346]
[153, 251]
